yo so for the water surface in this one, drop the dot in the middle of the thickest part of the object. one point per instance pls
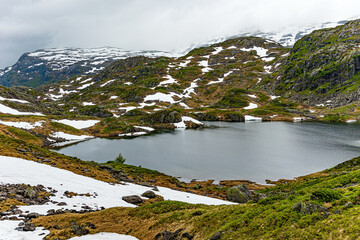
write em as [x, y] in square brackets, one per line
[253, 151]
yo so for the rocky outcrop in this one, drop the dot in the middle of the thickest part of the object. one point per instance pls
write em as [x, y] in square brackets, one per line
[133, 199]
[323, 66]
[239, 194]
[53, 65]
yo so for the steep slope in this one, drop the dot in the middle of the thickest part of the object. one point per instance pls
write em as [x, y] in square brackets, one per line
[53, 65]
[324, 67]
[223, 75]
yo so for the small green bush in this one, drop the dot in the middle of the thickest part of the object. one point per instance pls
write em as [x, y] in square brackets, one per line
[120, 159]
[325, 195]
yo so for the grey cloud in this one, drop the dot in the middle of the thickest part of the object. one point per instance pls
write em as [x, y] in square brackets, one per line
[26, 25]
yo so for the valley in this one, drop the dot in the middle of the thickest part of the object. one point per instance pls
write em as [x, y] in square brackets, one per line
[58, 97]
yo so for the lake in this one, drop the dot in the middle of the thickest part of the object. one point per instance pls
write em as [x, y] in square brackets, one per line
[226, 151]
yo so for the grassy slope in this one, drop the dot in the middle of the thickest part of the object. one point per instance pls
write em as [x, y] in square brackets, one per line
[270, 218]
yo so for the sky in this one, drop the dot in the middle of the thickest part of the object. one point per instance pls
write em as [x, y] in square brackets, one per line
[28, 25]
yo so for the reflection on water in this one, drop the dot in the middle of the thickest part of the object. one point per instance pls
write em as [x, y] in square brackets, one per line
[254, 151]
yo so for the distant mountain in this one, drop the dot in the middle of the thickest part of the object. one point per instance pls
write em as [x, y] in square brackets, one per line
[286, 36]
[53, 65]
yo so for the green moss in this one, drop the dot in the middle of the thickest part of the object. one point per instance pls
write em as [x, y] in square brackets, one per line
[65, 127]
[22, 134]
[234, 98]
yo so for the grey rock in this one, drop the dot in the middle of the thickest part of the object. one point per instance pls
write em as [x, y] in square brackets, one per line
[308, 208]
[239, 194]
[133, 199]
[149, 194]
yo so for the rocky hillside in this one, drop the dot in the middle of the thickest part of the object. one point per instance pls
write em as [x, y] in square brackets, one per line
[53, 65]
[240, 79]
[323, 68]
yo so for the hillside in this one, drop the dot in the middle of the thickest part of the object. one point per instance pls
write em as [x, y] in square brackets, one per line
[323, 67]
[47, 194]
[53, 65]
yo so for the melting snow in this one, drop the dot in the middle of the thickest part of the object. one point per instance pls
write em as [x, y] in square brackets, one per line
[101, 194]
[161, 97]
[104, 236]
[298, 119]
[8, 232]
[88, 104]
[261, 52]
[150, 129]
[218, 81]
[251, 106]
[113, 97]
[79, 124]
[217, 50]
[252, 96]
[8, 110]
[23, 125]
[232, 47]
[186, 119]
[268, 59]
[267, 69]
[184, 64]
[190, 90]
[249, 118]
[170, 80]
[69, 137]
[85, 85]
[274, 97]
[13, 100]
[106, 83]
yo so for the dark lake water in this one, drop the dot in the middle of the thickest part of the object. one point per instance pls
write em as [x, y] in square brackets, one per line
[253, 151]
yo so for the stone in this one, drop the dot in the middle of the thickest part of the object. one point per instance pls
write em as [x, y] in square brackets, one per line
[133, 199]
[308, 208]
[51, 212]
[187, 235]
[32, 215]
[149, 194]
[31, 193]
[29, 227]
[239, 194]
[79, 230]
[216, 236]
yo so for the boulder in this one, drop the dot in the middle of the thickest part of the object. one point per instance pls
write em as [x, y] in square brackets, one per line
[216, 236]
[149, 194]
[239, 194]
[133, 199]
[308, 208]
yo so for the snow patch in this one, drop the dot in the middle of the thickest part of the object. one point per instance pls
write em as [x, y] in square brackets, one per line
[251, 106]
[105, 236]
[298, 119]
[8, 110]
[261, 52]
[23, 125]
[249, 118]
[186, 119]
[79, 124]
[217, 50]
[69, 137]
[13, 100]
[170, 80]
[106, 83]
[88, 104]
[150, 129]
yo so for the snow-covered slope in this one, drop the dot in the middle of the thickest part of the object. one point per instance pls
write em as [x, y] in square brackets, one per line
[92, 193]
[286, 36]
[52, 65]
